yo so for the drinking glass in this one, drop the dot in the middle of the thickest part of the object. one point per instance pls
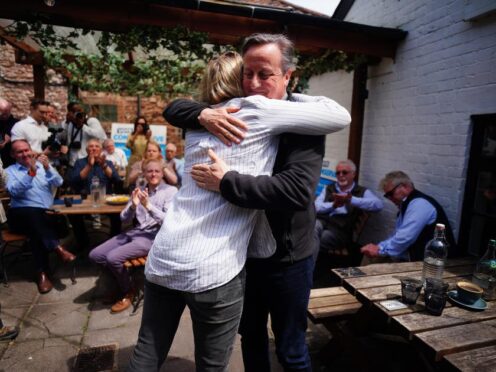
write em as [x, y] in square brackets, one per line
[410, 290]
[435, 295]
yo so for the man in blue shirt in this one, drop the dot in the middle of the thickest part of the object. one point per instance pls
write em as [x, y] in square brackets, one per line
[418, 215]
[338, 207]
[80, 178]
[29, 182]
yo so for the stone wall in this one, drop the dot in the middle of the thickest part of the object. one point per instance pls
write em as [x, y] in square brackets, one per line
[417, 116]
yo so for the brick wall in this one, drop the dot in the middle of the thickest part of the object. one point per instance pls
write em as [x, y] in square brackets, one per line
[16, 85]
[417, 116]
[127, 110]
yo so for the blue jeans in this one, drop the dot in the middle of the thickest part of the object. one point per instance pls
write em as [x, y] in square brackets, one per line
[281, 290]
[215, 315]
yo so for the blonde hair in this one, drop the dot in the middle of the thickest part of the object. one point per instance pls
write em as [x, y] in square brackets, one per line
[145, 163]
[153, 143]
[222, 78]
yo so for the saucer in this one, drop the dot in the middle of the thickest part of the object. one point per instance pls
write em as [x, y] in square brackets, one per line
[480, 304]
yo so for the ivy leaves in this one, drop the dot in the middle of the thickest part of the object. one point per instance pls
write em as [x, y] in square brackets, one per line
[149, 60]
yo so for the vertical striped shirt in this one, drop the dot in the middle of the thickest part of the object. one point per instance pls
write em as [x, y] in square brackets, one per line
[203, 241]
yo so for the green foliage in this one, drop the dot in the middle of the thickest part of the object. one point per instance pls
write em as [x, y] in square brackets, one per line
[172, 63]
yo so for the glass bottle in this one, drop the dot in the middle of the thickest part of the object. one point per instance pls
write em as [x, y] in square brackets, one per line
[485, 272]
[436, 251]
[95, 191]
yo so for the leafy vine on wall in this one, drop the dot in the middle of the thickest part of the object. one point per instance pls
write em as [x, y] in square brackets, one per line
[170, 62]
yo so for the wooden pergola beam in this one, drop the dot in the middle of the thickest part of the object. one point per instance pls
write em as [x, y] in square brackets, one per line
[310, 34]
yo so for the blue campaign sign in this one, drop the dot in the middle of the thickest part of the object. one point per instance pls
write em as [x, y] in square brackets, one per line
[121, 132]
[327, 175]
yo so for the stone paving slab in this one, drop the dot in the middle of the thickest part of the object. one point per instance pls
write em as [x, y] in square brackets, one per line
[40, 355]
[54, 320]
[102, 318]
[18, 293]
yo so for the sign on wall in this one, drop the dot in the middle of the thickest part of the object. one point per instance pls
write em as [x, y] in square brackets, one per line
[121, 131]
[327, 174]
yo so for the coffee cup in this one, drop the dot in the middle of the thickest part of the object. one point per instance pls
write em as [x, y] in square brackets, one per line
[468, 293]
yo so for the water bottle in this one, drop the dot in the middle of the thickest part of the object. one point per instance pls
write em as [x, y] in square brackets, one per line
[436, 251]
[485, 272]
[95, 191]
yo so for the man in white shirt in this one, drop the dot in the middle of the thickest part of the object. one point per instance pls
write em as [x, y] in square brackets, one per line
[177, 165]
[33, 128]
[116, 156]
[79, 129]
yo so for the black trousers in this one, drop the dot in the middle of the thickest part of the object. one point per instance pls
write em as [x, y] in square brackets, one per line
[36, 224]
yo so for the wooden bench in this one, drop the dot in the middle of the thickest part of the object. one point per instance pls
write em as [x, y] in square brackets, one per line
[133, 265]
[331, 304]
[332, 307]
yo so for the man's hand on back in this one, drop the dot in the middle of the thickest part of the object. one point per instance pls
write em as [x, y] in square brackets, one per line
[224, 126]
[208, 176]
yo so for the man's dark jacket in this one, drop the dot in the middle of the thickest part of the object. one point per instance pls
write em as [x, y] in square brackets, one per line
[5, 128]
[287, 196]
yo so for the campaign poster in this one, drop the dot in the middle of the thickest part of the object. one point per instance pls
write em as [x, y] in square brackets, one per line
[121, 131]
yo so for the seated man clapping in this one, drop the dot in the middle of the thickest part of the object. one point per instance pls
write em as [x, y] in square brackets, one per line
[29, 182]
[148, 208]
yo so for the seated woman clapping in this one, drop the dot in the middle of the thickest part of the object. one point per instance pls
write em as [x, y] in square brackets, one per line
[147, 207]
[152, 151]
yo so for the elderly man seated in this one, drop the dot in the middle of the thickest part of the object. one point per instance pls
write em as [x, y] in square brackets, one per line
[116, 156]
[338, 207]
[148, 207]
[30, 182]
[418, 215]
[93, 165]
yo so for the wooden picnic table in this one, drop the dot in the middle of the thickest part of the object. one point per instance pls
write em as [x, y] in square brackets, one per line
[459, 339]
[86, 207]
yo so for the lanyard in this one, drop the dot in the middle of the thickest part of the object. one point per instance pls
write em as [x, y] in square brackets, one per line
[74, 135]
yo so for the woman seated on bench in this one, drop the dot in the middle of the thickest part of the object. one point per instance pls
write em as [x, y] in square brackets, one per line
[148, 207]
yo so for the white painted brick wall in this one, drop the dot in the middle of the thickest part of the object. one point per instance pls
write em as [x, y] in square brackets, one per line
[417, 116]
[341, 83]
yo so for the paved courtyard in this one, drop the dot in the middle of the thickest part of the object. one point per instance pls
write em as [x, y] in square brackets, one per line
[56, 326]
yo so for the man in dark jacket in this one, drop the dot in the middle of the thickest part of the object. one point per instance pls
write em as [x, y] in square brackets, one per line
[280, 285]
[417, 217]
[7, 121]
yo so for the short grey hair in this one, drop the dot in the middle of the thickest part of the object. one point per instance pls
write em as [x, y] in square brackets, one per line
[349, 163]
[396, 178]
[285, 46]
[107, 142]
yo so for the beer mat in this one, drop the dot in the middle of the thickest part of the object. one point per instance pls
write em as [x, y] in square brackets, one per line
[391, 305]
[61, 201]
[350, 271]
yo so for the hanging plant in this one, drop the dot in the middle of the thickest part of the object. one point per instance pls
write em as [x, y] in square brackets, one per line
[171, 63]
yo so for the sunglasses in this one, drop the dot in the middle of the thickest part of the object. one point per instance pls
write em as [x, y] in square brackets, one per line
[390, 193]
[344, 173]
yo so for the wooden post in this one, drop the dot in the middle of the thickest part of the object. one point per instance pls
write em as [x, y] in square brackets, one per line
[39, 81]
[359, 96]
